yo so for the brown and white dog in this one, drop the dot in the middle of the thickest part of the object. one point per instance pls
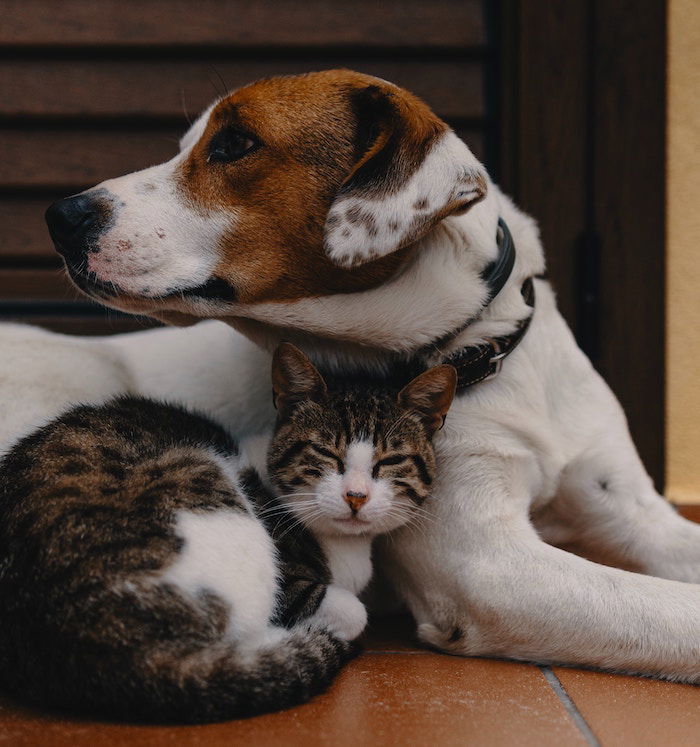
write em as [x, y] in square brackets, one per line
[337, 210]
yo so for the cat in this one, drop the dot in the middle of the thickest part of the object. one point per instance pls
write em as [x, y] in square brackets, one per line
[350, 461]
[148, 573]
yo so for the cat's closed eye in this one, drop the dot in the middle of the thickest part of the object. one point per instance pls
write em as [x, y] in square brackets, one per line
[328, 454]
[388, 462]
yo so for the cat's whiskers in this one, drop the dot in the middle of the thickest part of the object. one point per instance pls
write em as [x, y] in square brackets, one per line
[416, 524]
[312, 514]
[272, 514]
[397, 516]
[286, 522]
[418, 512]
[292, 495]
[276, 508]
[298, 521]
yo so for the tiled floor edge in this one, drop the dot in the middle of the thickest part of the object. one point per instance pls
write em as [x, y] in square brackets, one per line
[570, 706]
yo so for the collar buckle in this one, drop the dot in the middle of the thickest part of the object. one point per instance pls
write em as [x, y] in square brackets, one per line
[495, 360]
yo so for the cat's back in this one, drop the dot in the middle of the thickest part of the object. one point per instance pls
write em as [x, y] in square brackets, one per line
[99, 443]
[136, 578]
[97, 491]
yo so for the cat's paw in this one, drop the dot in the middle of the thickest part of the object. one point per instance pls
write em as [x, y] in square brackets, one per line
[342, 613]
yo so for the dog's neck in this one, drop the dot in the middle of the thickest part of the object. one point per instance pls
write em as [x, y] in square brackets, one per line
[435, 294]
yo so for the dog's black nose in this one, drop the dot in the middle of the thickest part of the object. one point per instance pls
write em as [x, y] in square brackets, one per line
[71, 223]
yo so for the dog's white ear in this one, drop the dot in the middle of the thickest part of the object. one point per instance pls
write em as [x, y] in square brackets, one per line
[412, 172]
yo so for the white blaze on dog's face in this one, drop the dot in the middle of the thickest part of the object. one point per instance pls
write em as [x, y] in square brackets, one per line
[285, 191]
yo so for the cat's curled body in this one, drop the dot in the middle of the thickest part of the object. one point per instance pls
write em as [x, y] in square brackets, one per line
[147, 574]
[136, 579]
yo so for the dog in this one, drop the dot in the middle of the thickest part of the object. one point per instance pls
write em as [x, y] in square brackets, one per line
[337, 211]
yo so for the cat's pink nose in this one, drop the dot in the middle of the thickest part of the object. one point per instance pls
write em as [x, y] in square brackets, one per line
[355, 500]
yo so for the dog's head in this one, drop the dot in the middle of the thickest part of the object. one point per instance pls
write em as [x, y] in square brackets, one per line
[290, 188]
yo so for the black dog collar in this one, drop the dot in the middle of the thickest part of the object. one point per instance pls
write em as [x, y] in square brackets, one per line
[497, 273]
[476, 363]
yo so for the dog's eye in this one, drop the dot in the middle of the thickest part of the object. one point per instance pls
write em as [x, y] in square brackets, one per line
[230, 145]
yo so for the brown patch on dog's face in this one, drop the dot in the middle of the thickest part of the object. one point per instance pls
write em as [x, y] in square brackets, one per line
[309, 137]
[287, 190]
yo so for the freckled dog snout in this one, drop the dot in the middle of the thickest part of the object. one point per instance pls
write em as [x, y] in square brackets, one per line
[71, 224]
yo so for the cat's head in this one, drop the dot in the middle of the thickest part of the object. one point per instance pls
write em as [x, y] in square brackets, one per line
[353, 460]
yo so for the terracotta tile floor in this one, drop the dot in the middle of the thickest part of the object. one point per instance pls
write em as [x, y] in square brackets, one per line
[398, 694]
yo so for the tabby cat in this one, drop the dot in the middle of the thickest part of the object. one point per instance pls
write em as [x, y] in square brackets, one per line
[148, 573]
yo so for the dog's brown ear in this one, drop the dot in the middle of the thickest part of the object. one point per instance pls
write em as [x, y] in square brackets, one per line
[294, 378]
[430, 395]
[411, 172]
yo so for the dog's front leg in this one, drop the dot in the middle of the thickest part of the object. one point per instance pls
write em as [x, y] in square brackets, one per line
[480, 581]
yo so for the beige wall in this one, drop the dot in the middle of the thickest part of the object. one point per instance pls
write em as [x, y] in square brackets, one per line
[683, 254]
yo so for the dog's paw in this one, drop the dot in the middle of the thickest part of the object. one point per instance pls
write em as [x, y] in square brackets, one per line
[342, 613]
[453, 641]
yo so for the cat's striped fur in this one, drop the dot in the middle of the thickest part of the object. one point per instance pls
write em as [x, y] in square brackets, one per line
[352, 461]
[145, 575]
[89, 508]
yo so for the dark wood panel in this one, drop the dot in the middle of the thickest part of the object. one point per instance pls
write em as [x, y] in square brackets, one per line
[243, 23]
[72, 158]
[37, 285]
[76, 325]
[629, 212]
[545, 129]
[582, 139]
[59, 88]
[23, 232]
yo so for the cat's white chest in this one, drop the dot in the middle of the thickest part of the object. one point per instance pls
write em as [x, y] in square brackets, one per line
[349, 560]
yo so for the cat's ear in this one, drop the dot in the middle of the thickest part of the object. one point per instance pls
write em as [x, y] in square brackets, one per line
[294, 378]
[430, 395]
[411, 171]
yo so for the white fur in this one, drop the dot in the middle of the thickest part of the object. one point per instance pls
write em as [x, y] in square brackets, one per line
[230, 554]
[157, 242]
[350, 563]
[359, 458]
[328, 513]
[349, 560]
[449, 172]
[254, 454]
[541, 439]
[342, 613]
[145, 259]
[43, 374]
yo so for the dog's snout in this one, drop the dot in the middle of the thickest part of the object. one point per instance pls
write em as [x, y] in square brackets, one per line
[71, 223]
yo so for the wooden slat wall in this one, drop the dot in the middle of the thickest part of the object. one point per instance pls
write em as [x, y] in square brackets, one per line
[244, 23]
[582, 134]
[98, 89]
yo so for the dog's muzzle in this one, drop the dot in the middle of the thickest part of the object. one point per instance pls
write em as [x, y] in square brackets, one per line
[74, 225]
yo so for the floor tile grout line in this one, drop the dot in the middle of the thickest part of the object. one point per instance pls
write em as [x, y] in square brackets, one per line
[576, 715]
